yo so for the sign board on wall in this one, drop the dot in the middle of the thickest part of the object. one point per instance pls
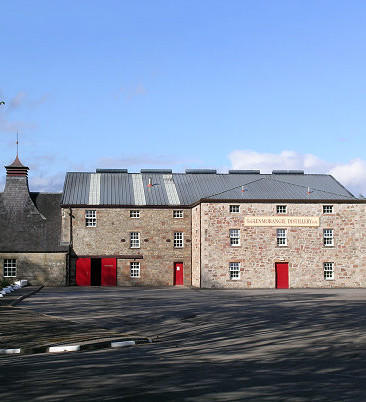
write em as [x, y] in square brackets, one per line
[312, 221]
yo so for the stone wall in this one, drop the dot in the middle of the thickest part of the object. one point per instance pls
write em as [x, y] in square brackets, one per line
[305, 253]
[47, 269]
[196, 246]
[111, 237]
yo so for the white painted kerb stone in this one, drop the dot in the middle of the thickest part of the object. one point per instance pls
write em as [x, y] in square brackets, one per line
[64, 348]
[9, 351]
[121, 344]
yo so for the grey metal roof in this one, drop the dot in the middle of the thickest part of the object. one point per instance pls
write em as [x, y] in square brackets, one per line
[174, 189]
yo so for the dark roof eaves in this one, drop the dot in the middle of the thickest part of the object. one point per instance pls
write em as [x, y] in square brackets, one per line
[285, 200]
[134, 206]
[225, 200]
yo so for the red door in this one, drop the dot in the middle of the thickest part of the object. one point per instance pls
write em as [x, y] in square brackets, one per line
[282, 275]
[178, 273]
[109, 272]
[83, 271]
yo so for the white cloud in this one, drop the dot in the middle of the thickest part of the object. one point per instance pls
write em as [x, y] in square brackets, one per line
[51, 183]
[352, 174]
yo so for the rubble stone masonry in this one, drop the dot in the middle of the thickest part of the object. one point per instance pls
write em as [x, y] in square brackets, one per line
[258, 251]
[47, 269]
[196, 246]
[111, 237]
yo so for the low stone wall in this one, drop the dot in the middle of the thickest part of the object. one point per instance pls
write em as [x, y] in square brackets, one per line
[47, 269]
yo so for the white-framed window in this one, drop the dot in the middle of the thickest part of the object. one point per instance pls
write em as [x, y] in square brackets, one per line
[134, 213]
[328, 238]
[178, 213]
[178, 239]
[234, 209]
[135, 240]
[134, 269]
[234, 237]
[281, 209]
[328, 271]
[10, 267]
[90, 218]
[234, 270]
[327, 209]
[281, 237]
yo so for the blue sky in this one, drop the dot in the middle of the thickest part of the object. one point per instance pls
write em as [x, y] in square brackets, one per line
[184, 84]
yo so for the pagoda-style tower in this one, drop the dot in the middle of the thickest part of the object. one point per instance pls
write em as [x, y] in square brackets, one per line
[30, 228]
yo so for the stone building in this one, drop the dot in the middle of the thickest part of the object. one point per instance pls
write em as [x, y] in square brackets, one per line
[238, 230]
[288, 229]
[30, 229]
[242, 229]
[126, 229]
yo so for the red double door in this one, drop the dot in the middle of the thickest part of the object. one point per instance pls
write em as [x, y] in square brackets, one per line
[282, 275]
[96, 272]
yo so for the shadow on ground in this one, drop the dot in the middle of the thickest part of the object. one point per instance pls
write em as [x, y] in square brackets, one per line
[214, 345]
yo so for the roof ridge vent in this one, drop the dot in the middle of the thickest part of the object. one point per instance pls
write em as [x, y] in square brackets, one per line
[288, 172]
[244, 171]
[111, 170]
[201, 171]
[166, 171]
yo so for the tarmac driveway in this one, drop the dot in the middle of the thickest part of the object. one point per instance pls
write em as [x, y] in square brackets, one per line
[213, 345]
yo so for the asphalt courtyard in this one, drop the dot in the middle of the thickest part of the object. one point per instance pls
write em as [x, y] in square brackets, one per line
[213, 345]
